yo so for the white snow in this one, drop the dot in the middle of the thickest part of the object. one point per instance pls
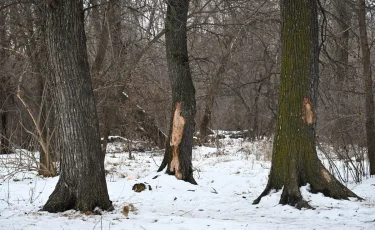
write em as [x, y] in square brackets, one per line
[230, 177]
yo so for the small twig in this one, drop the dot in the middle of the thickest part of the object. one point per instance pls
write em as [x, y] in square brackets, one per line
[152, 157]
[189, 210]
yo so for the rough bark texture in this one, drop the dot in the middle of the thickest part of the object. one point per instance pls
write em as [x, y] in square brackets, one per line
[368, 82]
[294, 161]
[178, 151]
[82, 185]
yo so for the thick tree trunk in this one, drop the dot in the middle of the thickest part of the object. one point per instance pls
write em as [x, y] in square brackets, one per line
[178, 151]
[82, 185]
[294, 161]
[368, 82]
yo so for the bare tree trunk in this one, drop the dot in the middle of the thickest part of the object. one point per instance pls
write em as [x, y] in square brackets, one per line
[340, 99]
[4, 137]
[255, 132]
[178, 152]
[82, 185]
[112, 95]
[294, 161]
[368, 82]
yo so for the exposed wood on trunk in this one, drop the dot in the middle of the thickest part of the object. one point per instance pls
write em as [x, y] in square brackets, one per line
[177, 133]
[183, 93]
[307, 111]
[294, 160]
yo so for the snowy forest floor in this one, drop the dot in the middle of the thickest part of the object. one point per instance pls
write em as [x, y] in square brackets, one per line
[229, 179]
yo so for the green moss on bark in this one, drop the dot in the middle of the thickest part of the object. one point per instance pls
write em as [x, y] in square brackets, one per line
[294, 160]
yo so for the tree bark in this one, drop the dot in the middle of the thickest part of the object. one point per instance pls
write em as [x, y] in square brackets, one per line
[294, 161]
[178, 153]
[4, 136]
[82, 185]
[368, 82]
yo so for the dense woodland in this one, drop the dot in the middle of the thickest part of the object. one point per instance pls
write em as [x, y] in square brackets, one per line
[131, 59]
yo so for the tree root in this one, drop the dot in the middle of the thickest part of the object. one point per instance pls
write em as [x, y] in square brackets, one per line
[266, 191]
[62, 199]
[292, 195]
[327, 184]
[293, 198]
[59, 201]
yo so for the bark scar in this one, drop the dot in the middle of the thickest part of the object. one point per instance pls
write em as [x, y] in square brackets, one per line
[176, 137]
[308, 116]
[326, 175]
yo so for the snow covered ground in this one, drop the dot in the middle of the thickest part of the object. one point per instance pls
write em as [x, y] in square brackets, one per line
[230, 178]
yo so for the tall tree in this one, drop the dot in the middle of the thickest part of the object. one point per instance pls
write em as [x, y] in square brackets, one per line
[294, 161]
[178, 150]
[82, 185]
[112, 102]
[341, 54]
[368, 82]
[4, 141]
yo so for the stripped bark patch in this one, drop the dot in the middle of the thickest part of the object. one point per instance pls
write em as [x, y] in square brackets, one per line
[307, 111]
[326, 175]
[176, 137]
